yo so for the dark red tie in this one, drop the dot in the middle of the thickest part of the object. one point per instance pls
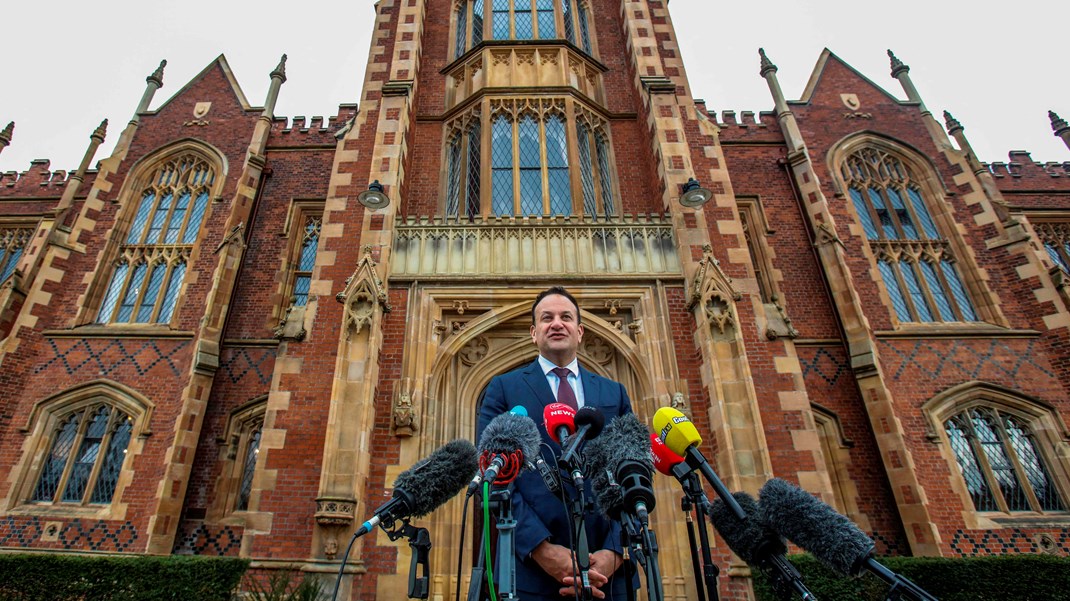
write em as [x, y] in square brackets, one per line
[565, 394]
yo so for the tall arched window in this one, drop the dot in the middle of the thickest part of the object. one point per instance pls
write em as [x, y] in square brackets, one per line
[87, 448]
[147, 277]
[915, 261]
[13, 243]
[530, 161]
[478, 20]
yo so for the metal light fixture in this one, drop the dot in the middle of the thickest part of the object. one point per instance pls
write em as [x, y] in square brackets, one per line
[374, 197]
[694, 195]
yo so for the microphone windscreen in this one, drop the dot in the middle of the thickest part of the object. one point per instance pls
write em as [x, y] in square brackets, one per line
[663, 458]
[438, 477]
[625, 441]
[751, 539]
[556, 416]
[676, 430]
[593, 418]
[510, 432]
[817, 528]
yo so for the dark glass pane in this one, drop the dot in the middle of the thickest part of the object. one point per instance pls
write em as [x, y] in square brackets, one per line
[195, 218]
[249, 466]
[474, 144]
[882, 213]
[113, 461]
[570, 29]
[462, 33]
[1053, 252]
[909, 231]
[1036, 474]
[126, 309]
[585, 34]
[148, 301]
[547, 29]
[477, 22]
[942, 302]
[910, 277]
[141, 218]
[958, 291]
[170, 299]
[158, 219]
[175, 224]
[863, 214]
[309, 246]
[112, 295]
[583, 141]
[557, 167]
[87, 456]
[892, 284]
[453, 175]
[500, 23]
[971, 470]
[530, 166]
[525, 28]
[922, 212]
[996, 452]
[501, 158]
[48, 483]
[301, 285]
[602, 147]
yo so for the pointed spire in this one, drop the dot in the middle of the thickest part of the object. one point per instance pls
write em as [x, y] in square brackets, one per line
[100, 132]
[1057, 123]
[157, 75]
[5, 135]
[952, 123]
[280, 71]
[897, 65]
[767, 65]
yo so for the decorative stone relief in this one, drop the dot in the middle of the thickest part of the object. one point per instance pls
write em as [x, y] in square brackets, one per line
[612, 305]
[333, 514]
[460, 306]
[712, 290]
[597, 349]
[404, 413]
[826, 235]
[292, 325]
[679, 401]
[364, 290]
[474, 352]
[778, 320]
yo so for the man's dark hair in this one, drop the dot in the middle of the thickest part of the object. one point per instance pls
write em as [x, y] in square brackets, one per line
[551, 291]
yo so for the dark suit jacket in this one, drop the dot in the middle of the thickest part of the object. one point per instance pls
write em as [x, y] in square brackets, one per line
[539, 513]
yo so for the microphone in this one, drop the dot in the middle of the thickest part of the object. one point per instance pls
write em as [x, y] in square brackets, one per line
[508, 442]
[426, 485]
[560, 420]
[589, 422]
[682, 438]
[473, 486]
[756, 543]
[830, 537]
[671, 464]
[620, 468]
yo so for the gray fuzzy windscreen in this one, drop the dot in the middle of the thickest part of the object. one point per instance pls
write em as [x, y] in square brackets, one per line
[814, 526]
[751, 539]
[507, 433]
[438, 477]
[625, 439]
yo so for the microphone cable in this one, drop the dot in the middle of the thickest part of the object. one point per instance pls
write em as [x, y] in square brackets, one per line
[486, 539]
[573, 533]
[460, 552]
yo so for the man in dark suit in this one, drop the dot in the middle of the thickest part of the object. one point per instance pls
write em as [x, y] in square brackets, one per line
[544, 568]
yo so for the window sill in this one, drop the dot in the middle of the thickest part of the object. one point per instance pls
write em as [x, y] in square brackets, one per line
[60, 510]
[1058, 519]
[120, 331]
[959, 329]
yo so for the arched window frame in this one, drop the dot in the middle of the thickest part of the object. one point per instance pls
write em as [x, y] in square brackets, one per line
[140, 283]
[1045, 426]
[909, 296]
[476, 21]
[14, 241]
[572, 183]
[241, 451]
[42, 426]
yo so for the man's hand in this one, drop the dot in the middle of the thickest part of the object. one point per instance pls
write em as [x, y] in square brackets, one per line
[603, 564]
[606, 562]
[555, 560]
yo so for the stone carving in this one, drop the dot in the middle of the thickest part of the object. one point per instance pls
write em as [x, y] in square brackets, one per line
[404, 415]
[333, 514]
[779, 322]
[712, 290]
[679, 401]
[474, 352]
[826, 235]
[460, 306]
[364, 291]
[292, 325]
[597, 349]
[612, 305]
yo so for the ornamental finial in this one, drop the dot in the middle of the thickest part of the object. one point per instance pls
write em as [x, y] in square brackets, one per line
[767, 65]
[280, 70]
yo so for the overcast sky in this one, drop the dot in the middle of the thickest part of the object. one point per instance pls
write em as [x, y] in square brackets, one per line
[65, 64]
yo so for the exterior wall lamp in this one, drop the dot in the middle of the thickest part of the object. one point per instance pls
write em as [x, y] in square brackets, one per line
[693, 194]
[374, 197]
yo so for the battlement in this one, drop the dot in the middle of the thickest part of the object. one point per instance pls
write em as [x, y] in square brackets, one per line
[745, 118]
[38, 180]
[1022, 172]
[286, 131]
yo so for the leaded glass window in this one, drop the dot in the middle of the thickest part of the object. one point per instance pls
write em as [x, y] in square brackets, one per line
[147, 277]
[916, 263]
[1056, 240]
[306, 259]
[999, 460]
[520, 20]
[251, 442]
[13, 243]
[86, 451]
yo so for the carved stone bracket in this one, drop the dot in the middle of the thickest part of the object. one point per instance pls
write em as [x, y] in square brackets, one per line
[292, 325]
[679, 402]
[333, 514]
[236, 235]
[404, 413]
[364, 290]
[712, 290]
[824, 234]
[779, 322]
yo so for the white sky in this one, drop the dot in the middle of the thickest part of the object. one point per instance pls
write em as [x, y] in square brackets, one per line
[66, 64]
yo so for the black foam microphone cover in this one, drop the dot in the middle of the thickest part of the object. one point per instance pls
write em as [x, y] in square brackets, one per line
[751, 539]
[619, 466]
[593, 418]
[437, 478]
[508, 433]
[808, 522]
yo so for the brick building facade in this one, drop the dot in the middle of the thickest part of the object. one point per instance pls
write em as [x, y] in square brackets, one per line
[209, 345]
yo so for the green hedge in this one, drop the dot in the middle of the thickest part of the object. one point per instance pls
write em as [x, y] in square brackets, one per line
[1002, 577]
[27, 577]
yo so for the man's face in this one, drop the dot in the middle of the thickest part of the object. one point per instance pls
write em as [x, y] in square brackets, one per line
[557, 332]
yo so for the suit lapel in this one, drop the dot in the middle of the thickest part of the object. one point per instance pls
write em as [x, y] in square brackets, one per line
[536, 380]
[592, 391]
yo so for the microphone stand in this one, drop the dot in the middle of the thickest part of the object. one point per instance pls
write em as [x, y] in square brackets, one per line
[644, 546]
[685, 506]
[419, 566]
[501, 503]
[902, 587]
[576, 506]
[693, 494]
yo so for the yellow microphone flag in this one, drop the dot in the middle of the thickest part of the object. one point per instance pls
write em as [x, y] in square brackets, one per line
[676, 430]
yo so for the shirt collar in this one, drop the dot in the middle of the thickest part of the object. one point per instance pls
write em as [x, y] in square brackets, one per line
[548, 365]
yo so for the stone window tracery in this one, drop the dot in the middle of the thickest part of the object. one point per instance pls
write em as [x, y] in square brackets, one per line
[13, 242]
[478, 20]
[147, 277]
[916, 263]
[1055, 236]
[306, 258]
[249, 445]
[529, 150]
